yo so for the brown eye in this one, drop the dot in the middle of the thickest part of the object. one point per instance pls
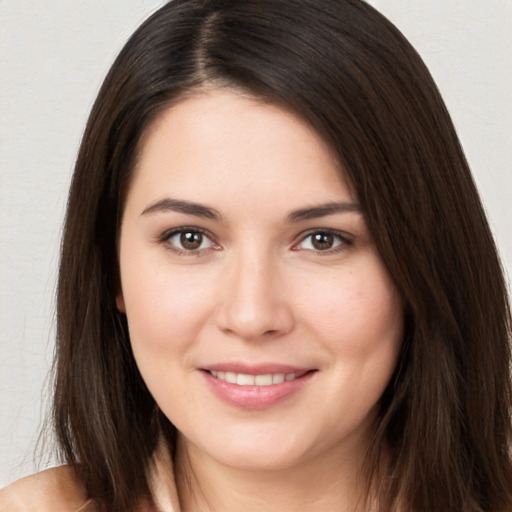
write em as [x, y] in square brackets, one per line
[322, 241]
[191, 240]
[187, 240]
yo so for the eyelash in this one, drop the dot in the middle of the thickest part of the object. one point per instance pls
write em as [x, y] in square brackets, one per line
[342, 239]
[166, 237]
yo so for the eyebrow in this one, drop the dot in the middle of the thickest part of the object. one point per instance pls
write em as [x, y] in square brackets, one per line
[186, 207]
[199, 210]
[323, 210]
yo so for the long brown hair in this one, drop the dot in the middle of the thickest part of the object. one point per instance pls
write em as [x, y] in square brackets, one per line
[341, 66]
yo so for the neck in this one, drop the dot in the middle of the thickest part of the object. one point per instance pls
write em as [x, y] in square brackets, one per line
[332, 482]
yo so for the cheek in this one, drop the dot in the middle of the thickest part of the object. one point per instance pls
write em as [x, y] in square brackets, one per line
[165, 312]
[164, 309]
[359, 318]
[358, 311]
[365, 339]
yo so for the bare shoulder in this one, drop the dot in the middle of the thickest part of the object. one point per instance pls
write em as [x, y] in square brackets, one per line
[53, 490]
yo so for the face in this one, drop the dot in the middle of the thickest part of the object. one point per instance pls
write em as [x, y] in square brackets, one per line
[261, 316]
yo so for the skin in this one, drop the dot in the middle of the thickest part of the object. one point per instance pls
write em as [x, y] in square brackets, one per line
[256, 290]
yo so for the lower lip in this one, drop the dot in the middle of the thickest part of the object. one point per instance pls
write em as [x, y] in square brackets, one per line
[255, 397]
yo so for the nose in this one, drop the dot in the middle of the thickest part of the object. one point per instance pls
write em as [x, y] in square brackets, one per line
[255, 302]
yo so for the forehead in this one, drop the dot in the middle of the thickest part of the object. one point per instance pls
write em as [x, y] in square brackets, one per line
[224, 140]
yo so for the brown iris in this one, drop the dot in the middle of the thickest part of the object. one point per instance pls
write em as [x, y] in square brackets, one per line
[191, 240]
[322, 241]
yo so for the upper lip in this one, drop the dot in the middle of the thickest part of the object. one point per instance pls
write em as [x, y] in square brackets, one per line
[255, 369]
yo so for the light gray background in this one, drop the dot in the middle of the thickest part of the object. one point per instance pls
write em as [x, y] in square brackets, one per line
[54, 55]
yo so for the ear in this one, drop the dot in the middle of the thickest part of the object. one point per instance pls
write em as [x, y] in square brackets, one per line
[120, 302]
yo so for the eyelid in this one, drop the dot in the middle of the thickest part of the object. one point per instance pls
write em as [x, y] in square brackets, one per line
[165, 237]
[345, 240]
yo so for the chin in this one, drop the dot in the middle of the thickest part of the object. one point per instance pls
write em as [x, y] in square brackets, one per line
[269, 449]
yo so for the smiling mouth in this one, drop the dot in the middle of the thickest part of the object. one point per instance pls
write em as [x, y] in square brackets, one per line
[244, 379]
[253, 388]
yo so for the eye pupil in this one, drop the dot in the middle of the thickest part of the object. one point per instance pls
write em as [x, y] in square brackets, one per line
[190, 240]
[322, 241]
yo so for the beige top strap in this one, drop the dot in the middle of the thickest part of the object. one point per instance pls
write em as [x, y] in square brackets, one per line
[163, 486]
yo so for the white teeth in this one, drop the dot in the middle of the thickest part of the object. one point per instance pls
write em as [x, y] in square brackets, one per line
[243, 379]
[231, 377]
[263, 380]
[277, 378]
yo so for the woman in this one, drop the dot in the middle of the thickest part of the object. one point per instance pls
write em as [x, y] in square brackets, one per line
[278, 289]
